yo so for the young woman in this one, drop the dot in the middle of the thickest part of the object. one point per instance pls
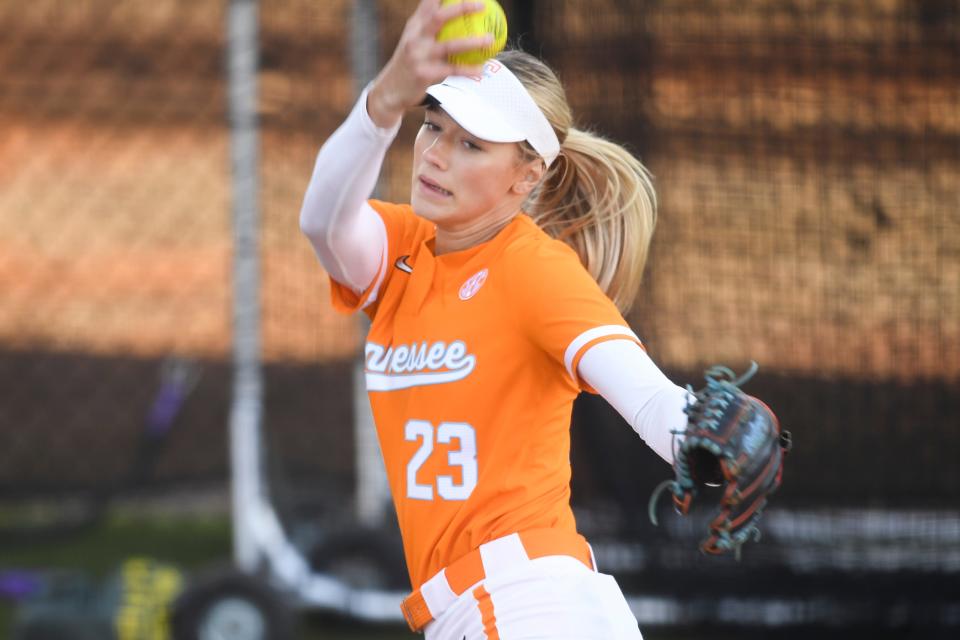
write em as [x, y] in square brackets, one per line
[495, 298]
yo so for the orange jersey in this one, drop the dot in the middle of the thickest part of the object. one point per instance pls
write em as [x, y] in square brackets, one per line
[471, 364]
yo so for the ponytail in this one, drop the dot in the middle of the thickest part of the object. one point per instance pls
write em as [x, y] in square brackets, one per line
[596, 197]
[600, 201]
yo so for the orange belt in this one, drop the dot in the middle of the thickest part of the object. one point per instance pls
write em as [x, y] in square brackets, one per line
[439, 592]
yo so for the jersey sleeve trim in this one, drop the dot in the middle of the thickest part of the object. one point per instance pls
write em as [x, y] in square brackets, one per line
[579, 345]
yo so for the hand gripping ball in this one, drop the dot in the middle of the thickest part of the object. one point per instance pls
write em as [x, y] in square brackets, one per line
[491, 20]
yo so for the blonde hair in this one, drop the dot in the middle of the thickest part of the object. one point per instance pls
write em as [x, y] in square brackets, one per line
[596, 196]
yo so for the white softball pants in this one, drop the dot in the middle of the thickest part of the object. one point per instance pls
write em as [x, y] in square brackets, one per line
[555, 597]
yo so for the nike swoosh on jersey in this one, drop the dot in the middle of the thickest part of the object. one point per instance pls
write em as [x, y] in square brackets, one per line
[402, 264]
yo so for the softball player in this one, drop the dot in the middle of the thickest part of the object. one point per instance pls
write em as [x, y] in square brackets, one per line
[494, 301]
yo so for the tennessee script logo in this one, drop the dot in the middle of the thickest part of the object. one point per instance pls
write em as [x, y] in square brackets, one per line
[416, 364]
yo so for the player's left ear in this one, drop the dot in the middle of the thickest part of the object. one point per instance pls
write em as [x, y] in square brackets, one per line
[529, 177]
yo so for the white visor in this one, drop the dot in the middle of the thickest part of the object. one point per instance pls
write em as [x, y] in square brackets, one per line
[496, 107]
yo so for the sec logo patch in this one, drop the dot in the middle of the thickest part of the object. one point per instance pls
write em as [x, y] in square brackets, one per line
[473, 284]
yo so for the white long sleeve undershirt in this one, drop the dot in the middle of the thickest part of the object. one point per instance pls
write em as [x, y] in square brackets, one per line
[349, 238]
[627, 378]
[346, 233]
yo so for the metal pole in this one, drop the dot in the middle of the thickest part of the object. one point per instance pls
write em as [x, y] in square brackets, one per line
[373, 492]
[247, 404]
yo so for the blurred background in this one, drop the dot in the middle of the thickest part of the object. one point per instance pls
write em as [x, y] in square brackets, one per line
[807, 161]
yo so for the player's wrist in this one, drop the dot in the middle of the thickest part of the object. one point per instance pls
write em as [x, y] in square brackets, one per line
[384, 110]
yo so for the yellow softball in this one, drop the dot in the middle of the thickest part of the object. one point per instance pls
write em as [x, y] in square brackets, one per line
[491, 20]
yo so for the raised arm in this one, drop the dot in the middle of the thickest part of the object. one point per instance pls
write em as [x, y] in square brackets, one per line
[347, 235]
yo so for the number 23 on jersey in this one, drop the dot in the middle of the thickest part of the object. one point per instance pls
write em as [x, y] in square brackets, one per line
[464, 456]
